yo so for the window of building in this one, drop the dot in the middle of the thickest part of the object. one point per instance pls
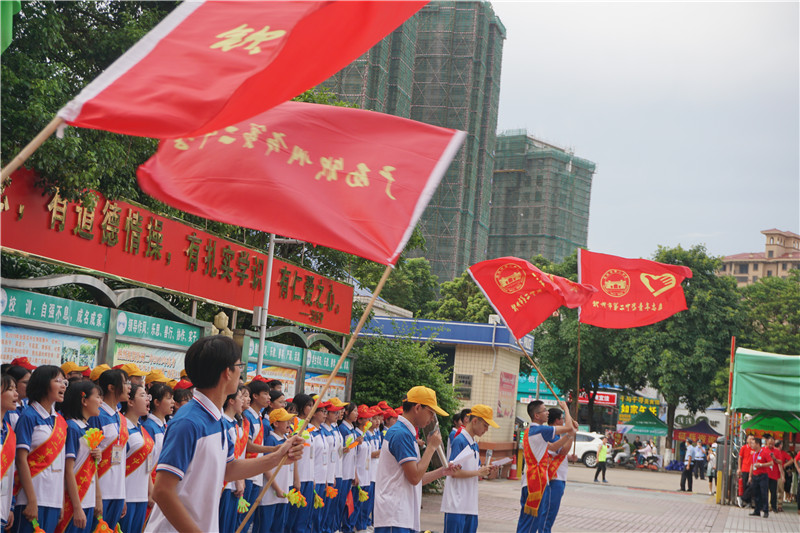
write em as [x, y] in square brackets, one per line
[772, 240]
[769, 254]
[769, 273]
[755, 278]
[463, 387]
[742, 268]
[784, 266]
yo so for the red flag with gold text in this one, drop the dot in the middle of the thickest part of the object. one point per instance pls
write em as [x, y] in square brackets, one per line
[349, 179]
[210, 64]
[632, 292]
[524, 295]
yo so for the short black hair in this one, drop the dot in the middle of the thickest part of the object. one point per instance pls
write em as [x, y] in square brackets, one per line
[463, 416]
[39, 385]
[275, 383]
[407, 406]
[208, 358]
[349, 408]
[257, 387]
[115, 377]
[533, 406]
[17, 372]
[157, 392]
[553, 414]
[123, 405]
[8, 381]
[301, 401]
[181, 395]
[71, 407]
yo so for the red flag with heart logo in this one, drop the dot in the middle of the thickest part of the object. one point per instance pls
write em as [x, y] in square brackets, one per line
[210, 64]
[632, 292]
[524, 295]
[350, 179]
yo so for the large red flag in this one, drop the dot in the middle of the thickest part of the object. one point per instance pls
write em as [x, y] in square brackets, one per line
[210, 64]
[344, 178]
[633, 292]
[524, 295]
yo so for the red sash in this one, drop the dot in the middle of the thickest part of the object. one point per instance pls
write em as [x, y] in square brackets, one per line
[139, 456]
[241, 441]
[555, 462]
[536, 476]
[47, 452]
[122, 440]
[8, 452]
[258, 439]
[84, 477]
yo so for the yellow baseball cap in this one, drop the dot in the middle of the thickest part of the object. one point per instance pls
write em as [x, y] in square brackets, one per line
[72, 366]
[279, 415]
[336, 402]
[183, 373]
[425, 396]
[156, 375]
[132, 370]
[97, 371]
[484, 412]
[172, 383]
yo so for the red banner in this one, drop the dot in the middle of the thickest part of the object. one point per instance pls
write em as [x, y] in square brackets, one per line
[633, 292]
[605, 399]
[681, 435]
[130, 242]
[208, 65]
[524, 295]
[344, 178]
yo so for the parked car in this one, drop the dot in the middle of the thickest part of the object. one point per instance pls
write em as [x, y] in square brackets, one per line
[586, 445]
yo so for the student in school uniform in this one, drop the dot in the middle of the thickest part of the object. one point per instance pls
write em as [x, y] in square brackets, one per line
[229, 515]
[139, 461]
[259, 399]
[333, 515]
[198, 455]
[401, 471]
[41, 442]
[300, 518]
[326, 431]
[276, 401]
[363, 480]
[8, 403]
[460, 497]
[161, 404]
[321, 456]
[82, 401]
[556, 470]
[22, 376]
[111, 468]
[274, 507]
[348, 484]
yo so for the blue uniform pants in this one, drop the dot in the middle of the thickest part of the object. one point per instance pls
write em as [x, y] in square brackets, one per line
[529, 523]
[133, 521]
[460, 523]
[553, 502]
[300, 517]
[229, 517]
[89, 512]
[112, 510]
[48, 519]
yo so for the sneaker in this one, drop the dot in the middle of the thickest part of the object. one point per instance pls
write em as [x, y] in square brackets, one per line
[604, 481]
[765, 515]
[755, 513]
[596, 481]
[739, 502]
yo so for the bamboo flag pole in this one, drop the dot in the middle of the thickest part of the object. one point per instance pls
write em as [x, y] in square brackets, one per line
[26, 152]
[325, 388]
[537, 369]
[577, 388]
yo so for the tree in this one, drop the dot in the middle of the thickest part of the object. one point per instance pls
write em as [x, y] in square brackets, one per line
[681, 355]
[772, 307]
[387, 368]
[411, 286]
[460, 300]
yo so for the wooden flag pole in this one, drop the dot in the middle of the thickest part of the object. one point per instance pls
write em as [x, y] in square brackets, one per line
[537, 369]
[28, 150]
[325, 388]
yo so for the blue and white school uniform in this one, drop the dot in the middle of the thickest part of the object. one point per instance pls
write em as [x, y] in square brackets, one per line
[320, 474]
[35, 425]
[156, 428]
[112, 483]
[300, 517]
[274, 510]
[252, 485]
[330, 479]
[335, 515]
[397, 502]
[7, 483]
[539, 436]
[196, 451]
[229, 516]
[137, 482]
[460, 497]
[348, 475]
[554, 493]
[375, 446]
[77, 448]
[362, 472]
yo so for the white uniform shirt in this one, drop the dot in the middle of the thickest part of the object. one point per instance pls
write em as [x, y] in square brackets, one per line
[78, 449]
[112, 483]
[338, 444]
[320, 457]
[461, 494]
[7, 483]
[255, 421]
[349, 458]
[34, 427]
[284, 478]
[397, 502]
[539, 436]
[362, 460]
[305, 465]
[330, 449]
[136, 482]
[196, 450]
[374, 446]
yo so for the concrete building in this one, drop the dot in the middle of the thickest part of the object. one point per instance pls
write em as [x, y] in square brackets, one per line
[442, 67]
[540, 199]
[781, 254]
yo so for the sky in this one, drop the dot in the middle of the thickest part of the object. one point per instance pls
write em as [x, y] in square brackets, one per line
[689, 110]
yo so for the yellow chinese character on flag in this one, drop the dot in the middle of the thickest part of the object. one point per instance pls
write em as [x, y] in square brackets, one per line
[243, 34]
[358, 178]
[299, 155]
[252, 136]
[386, 172]
[330, 167]
[276, 142]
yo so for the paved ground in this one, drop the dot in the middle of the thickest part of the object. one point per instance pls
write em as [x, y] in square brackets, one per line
[636, 501]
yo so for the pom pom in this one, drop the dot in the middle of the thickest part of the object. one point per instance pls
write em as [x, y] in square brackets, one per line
[318, 501]
[102, 526]
[362, 495]
[243, 506]
[367, 426]
[331, 492]
[93, 437]
[36, 528]
[296, 499]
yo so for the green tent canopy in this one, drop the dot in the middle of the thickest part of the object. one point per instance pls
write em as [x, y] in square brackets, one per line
[773, 422]
[645, 423]
[765, 381]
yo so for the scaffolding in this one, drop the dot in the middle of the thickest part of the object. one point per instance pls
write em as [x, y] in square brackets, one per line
[540, 199]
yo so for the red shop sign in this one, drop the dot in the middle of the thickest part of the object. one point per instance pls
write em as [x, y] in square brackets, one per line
[608, 399]
[130, 242]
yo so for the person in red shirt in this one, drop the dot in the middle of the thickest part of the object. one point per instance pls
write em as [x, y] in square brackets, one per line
[759, 478]
[784, 462]
[797, 473]
[774, 472]
[745, 461]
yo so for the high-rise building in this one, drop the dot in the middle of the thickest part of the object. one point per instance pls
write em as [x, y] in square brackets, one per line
[540, 199]
[442, 67]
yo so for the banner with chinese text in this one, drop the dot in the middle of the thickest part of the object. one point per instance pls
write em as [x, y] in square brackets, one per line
[287, 376]
[630, 406]
[345, 178]
[148, 358]
[127, 241]
[506, 399]
[47, 347]
[314, 382]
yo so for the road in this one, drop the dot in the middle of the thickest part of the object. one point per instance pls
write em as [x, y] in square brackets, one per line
[637, 501]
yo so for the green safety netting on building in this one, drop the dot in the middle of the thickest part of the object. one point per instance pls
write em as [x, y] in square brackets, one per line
[645, 423]
[767, 385]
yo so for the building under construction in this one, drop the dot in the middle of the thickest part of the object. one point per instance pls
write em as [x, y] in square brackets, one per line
[540, 199]
[442, 67]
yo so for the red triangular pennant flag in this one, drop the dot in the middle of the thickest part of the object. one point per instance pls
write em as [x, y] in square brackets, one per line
[349, 503]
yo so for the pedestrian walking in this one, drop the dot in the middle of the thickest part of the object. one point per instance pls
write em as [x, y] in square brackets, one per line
[602, 455]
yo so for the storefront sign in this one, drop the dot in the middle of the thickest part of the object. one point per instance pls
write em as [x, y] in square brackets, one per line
[325, 362]
[605, 399]
[274, 352]
[631, 406]
[314, 382]
[47, 347]
[128, 241]
[287, 376]
[44, 308]
[147, 327]
[148, 358]
[505, 395]
[680, 435]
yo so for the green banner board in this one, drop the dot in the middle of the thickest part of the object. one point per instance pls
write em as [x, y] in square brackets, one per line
[156, 329]
[325, 361]
[52, 310]
[281, 354]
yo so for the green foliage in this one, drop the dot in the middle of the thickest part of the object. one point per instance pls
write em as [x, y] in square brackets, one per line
[772, 315]
[460, 300]
[387, 368]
